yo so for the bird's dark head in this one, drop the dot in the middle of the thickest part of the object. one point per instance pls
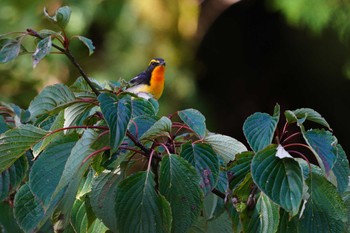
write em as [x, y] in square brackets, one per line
[156, 62]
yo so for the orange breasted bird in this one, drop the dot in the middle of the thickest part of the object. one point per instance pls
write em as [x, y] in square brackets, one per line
[150, 81]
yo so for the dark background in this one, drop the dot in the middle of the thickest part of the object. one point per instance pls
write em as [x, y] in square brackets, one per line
[250, 59]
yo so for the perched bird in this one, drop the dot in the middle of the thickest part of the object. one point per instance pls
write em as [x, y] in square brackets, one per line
[150, 81]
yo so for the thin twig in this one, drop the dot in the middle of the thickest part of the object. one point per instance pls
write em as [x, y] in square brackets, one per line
[70, 57]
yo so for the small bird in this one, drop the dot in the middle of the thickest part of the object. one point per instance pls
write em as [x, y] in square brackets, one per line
[150, 81]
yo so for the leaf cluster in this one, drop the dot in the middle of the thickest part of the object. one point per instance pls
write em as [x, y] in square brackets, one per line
[92, 157]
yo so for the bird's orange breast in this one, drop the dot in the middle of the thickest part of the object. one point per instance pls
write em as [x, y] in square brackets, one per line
[157, 82]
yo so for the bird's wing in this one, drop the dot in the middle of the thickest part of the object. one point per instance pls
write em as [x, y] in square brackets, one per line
[139, 79]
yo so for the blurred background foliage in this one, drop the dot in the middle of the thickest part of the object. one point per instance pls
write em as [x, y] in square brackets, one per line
[127, 33]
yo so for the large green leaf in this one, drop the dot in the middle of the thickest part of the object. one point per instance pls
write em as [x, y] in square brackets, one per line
[11, 178]
[102, 196]
[195, 120]
[3, 125]
[205, 160]
[225, 146]
[15, 142]
[280, 179]
[259, 129]
[263, 219]
[77, 113]
[222, 224]
[179, 183]
[160, 128]
[138, 206]
[341, 170]
[51, 98]
[141, 106]
[302, 114]
[325, 211]
[28, 211]
[287, 224]
[47, 170]
[78, 159]
[142, 124]
[323, 145]
[117, 113]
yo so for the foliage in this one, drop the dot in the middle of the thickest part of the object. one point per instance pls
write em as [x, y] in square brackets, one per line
[92, 158]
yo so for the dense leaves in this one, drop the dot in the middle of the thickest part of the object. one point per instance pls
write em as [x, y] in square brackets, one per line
[94, 158]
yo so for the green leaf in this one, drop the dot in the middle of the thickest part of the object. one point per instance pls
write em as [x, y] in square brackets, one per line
[88, 43]
[222, 224]
[325, 211]
[76, 161]
[259, 129]
[225, 146]
[341, 170]
[10, 50]
[117, 114]
[280, 179]
[77, 113]
[42, 49]
[302, 114]
[142, 124]
[263, 219]
[139, 208]
[205, 160]
[61, 16]
[51, 98]
[240, 168]
[47, 170]
[11, 178]
[15, 142]
[161, 128]
[3, 125]
[7, 220]
[141, 106]
[287, 224]
[178, 183]
[323, 146]
[28, 211]
[195, 120]
[102, 196]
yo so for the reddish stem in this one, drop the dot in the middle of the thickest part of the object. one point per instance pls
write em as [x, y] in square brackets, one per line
[96, 153]
[291, 136]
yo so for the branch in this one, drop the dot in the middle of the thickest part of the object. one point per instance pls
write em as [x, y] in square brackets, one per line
[71, 58]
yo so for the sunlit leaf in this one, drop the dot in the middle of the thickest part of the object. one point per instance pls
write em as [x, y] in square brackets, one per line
[280, 179]
[15, 142]
[259, 129]
[54, 97]
[225, 146]
[323, 145]
[138, 206]
[42, 49]
[179, 183]
[195, 120]
[205, 160]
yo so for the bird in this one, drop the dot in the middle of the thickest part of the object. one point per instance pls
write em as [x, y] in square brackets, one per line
[150, 81]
